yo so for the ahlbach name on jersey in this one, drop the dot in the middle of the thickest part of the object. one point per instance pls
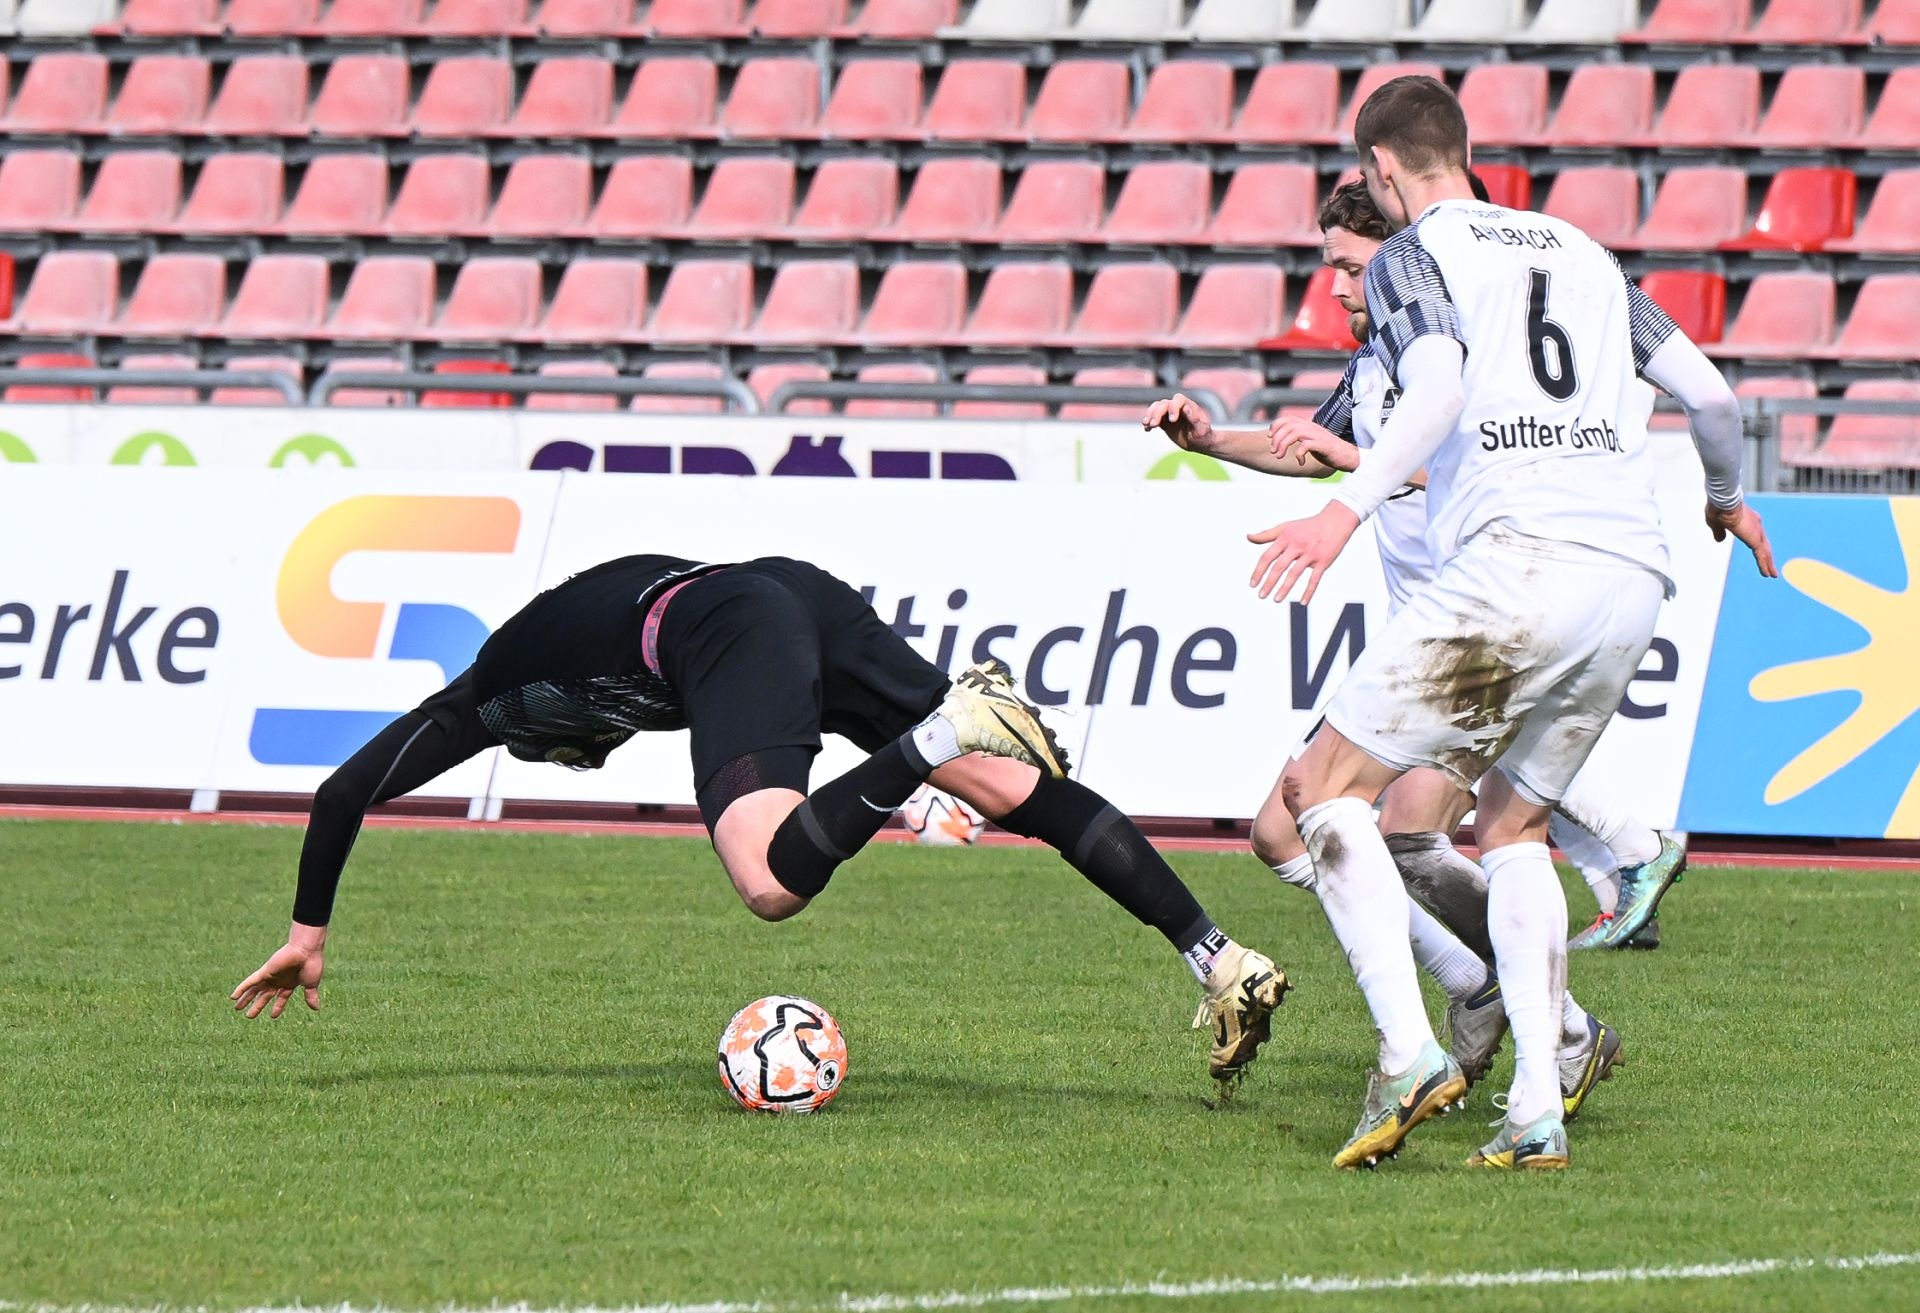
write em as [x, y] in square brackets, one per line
[1540, 239]
[1529, 433]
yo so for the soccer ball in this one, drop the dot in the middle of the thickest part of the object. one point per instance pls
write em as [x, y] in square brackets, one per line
[782, 1054]
[941, 819]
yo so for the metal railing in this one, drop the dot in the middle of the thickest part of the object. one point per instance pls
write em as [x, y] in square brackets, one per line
[728, 389]
[201, 380]
[1048, 393]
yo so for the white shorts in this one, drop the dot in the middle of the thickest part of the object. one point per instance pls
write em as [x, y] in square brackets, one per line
[1519, 651]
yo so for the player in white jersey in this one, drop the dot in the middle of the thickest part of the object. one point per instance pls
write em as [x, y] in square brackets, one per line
[1515, 341]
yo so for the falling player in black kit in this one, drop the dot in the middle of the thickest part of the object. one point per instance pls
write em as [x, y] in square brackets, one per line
[758, 660]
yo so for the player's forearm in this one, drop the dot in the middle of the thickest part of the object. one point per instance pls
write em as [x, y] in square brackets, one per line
[1713, 412]
[1250, 449]
[332, 826]
[1432, 395]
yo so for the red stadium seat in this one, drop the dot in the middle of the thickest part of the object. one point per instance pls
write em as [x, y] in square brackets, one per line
[62, 92]
[1161, 202]
[387, 296]
[704, 301]
[851, 199]
[1505, 103]
[1022, 304]
[1507, 184]
[773, 98]
[1082, 100]
[162, 93]
[1711, 105]
[372, 18]
[565, 97]
[50, 393]
[1784, 316]
[1695, 22]
[1798, 433]
[671, 405]
[979, 100]
[1894, 23]
[714, 18]
[644, 196]
[810, 301]
[1056, 201]
[1806, 22]
[1885, 323]
[1604, 105]
[1602, 201]
[1234, 306]
[441, 194]
[363, 96]
[797, 18]
[279, 296]
[1127, 305]
[1892, 225]
[1186, 100]
[588, 18]
[746, 196]
[176, 294]
[544, 196]
[764, 380]
[918, 302]
[39, 189]
[886, 407]
[465, 97]
[952, 200]
[1696, 209]
[1230, 383]
[340, 195]
[170, 18]
[1372, 78]
[1804, 210]
[1005, 375]
[494, 298]
[1108, 376]
[272, 18]
[598, 300]
[875, 100]
[1290, 103]
[670, 99]
[134, 191]
[478, 18]
[1895, 122]
[1697, 301]
[1814, 106]
[575, 401]
[436, 399]
[237, 192]
[366, 397]
[153, 394]
[1320, 323]
[244, 396]
[1873, 441]
[1268, 204]
[903, 19]
[263, 96]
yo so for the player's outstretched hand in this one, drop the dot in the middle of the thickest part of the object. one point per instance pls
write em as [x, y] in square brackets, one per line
[1182, 419]
[1301, 547]
[297, 965]
[1311, 444]
[1744, 523]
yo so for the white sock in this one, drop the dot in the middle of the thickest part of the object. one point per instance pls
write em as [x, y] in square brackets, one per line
[1456, 968]
[1593, 859]
[1527, 921]
[936, 740]
[1573, 1026]
[1205, 954]
[1366, 905]
[1630, 841]
[1297, 871]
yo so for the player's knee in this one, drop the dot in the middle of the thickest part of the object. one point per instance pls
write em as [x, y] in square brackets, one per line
[773, 904]
[1275, 838]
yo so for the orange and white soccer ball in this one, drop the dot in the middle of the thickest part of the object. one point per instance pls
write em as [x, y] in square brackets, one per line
[941, 819]
[783, 1054]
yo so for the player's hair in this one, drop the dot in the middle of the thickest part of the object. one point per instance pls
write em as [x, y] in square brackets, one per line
[1351, 207]
[1419, 120]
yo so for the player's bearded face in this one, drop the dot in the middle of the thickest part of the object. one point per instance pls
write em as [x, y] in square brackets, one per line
[1347, 254]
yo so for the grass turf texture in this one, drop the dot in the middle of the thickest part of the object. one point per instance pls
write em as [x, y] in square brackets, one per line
[510, 1094]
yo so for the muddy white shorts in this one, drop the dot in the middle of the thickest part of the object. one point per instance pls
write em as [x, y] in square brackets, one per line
[1518, 651]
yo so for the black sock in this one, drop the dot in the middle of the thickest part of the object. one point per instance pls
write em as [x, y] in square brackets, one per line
[837, 819]
[1102, 844]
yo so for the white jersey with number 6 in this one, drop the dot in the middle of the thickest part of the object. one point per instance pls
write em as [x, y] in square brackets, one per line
[1553, 441]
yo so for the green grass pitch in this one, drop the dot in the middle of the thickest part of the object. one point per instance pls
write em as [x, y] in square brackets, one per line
[510, 1095]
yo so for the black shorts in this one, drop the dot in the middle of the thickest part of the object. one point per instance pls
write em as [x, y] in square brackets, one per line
[775, 652]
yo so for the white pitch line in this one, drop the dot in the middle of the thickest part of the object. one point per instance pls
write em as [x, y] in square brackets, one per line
[1018, 1295]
